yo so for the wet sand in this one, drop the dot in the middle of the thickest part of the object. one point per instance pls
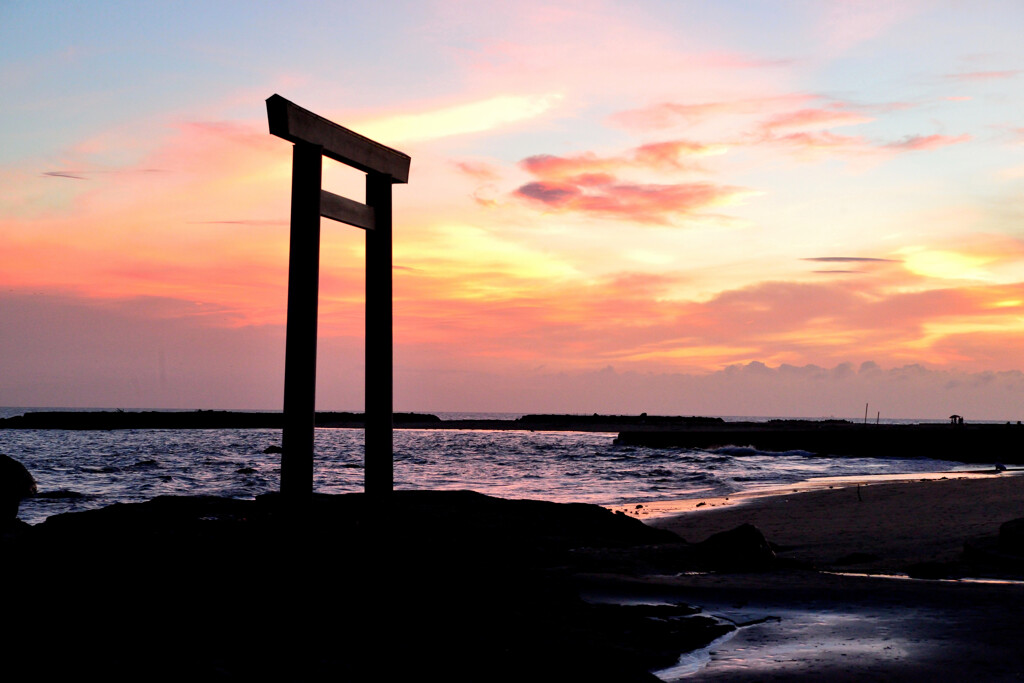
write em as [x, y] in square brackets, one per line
[819, 627]
[823, 626]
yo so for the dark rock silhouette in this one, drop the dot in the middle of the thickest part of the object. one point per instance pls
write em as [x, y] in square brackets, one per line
[1011, 536]
[454, 584]
[997, 554]
[741, 549]
[15, 483]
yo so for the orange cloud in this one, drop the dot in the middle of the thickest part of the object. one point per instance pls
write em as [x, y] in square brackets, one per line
[638, 321]
[209, 227]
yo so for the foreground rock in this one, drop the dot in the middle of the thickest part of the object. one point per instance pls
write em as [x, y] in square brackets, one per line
[16, 483]
[456, 585]
[997, 555]
[741, 549]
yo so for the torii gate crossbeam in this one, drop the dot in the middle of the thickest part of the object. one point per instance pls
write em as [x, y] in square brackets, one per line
[315, 138]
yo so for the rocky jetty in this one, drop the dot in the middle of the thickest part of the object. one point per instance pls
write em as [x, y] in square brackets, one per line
[987, 443]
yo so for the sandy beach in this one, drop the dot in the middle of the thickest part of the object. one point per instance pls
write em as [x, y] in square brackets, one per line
[825, 523]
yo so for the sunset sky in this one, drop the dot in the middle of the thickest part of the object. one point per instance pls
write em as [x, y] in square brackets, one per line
[729, 208]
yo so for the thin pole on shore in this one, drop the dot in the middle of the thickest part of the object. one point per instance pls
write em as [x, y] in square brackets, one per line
[878, 417]
[865, 413]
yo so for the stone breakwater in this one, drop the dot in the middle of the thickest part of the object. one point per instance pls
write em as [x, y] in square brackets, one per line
[231, 419]
[982, 443]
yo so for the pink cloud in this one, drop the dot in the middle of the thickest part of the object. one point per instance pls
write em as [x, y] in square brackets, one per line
[913, 143]
[632, 319]
[806, 129]
[813, 118]
[644, 203]
[822, 140]
[589, 183]
[477, 170]
[593, 179]
[652, 203]
[550, 166]
[551, 194]
[668, 114]
[668, 155]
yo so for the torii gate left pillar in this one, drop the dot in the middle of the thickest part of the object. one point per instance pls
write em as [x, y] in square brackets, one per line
[315, 138]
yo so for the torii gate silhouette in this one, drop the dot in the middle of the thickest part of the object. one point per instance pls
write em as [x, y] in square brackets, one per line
[316, 137]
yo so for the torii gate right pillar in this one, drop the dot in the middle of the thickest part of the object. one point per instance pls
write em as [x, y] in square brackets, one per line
[379, 470]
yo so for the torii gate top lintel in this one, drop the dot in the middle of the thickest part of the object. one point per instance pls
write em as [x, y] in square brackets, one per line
[295, 124]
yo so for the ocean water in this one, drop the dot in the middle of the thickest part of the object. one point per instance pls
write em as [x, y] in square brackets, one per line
[78, 470]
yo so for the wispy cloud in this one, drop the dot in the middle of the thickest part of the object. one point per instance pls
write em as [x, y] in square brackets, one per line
[850, 259]
[477, 170]
[844, 25]
[458, 119]
[913, 143]
[984, 75]
[785, 121]
[84, 175]
[804, 119]
[668, 114]
[74, 175]
[251, 221]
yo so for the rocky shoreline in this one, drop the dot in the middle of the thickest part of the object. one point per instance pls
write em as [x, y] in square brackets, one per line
[454, 584]
[464, 587]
